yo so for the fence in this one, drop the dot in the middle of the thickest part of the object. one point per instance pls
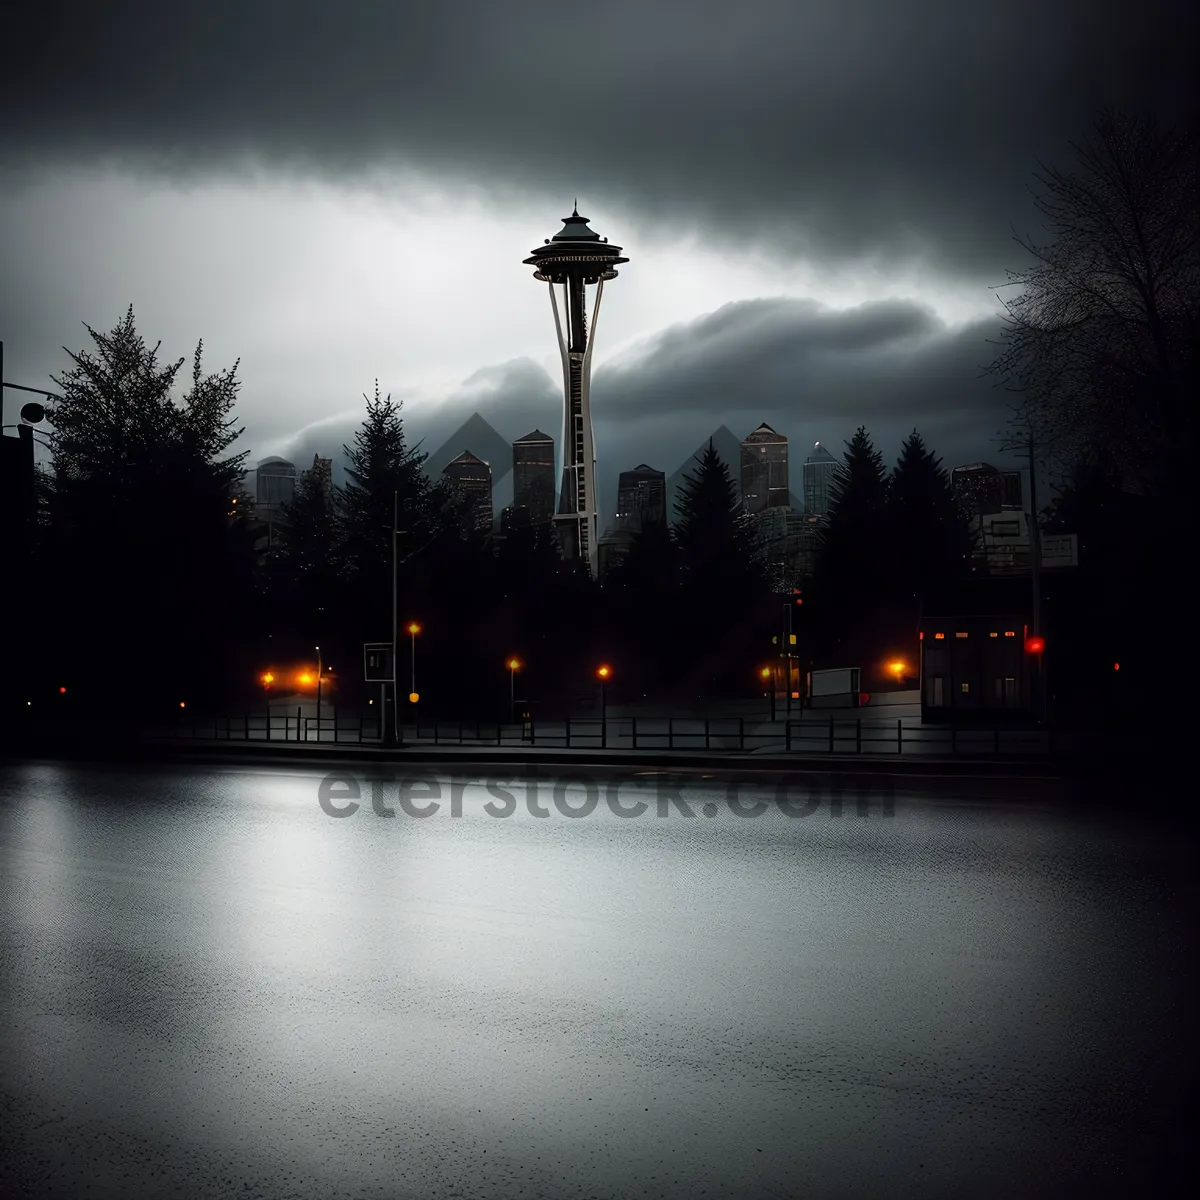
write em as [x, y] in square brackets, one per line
[805, 735]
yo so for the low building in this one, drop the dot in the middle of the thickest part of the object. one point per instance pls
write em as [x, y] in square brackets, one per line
[974, 660]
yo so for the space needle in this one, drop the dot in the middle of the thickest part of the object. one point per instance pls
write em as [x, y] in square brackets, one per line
[575, 257]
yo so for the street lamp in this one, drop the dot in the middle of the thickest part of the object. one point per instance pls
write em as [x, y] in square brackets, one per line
[768, 673]
[513, 667]
[604, 673]
[413, 630]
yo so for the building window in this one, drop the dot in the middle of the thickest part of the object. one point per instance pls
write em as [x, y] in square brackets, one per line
[958, 635]
[993, 635]
[965, 687]
[939, 635]
[1009, 633]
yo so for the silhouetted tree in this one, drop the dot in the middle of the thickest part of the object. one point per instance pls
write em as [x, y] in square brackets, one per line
[1102, 337]
[722, 586]
[152, 565]
[929, 543]
[853, 580]
[642, 594]
[305, 566]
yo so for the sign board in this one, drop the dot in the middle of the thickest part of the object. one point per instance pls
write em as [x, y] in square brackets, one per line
[1060, 550]
[379, 662]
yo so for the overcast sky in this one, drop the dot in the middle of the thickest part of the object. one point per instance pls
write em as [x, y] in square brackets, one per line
[816, 197]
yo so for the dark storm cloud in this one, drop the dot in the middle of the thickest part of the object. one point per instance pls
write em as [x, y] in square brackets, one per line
[812, 373]
[832, 128]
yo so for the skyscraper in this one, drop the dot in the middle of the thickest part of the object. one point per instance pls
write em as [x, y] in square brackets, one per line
[474, 479]
[574, 258]
[533, 475]
[765, 470]
[819, 468]
[641, 498]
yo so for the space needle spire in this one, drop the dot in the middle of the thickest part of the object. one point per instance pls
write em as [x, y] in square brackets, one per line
[574, 258]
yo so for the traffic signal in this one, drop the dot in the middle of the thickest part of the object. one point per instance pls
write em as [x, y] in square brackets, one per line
[1035, 645]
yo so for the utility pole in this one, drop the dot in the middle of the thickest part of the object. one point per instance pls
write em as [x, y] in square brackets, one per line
[395, 619]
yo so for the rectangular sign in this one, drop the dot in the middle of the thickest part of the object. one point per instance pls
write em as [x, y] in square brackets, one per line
[1060, 550]
[379, 662]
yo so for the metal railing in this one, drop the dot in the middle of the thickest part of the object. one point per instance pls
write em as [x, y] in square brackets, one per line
[808, 735]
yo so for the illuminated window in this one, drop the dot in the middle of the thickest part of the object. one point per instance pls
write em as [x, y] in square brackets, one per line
[960, 635]
[993, 635]
[1009, 633]
[939, 635]
[966, 687]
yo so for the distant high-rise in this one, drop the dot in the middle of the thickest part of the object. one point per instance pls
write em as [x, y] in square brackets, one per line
[641, 498]
[978, 488]
[474, 479]
[819, 469]
[765, 470]
[533, 475]
[274, 486]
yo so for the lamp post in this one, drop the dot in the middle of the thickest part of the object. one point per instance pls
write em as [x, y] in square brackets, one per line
[318, 649]
[413, 695]
[603, 674]
[768, 673]
[513, 666]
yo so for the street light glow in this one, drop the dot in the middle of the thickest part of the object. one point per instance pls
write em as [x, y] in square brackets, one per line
[414, 628]
[604, 672]
[513, 665]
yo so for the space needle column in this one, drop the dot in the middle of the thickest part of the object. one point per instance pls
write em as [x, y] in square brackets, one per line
[572, 259]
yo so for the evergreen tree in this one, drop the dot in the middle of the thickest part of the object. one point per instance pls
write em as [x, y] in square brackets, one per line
[385, 481]
[929, 541]
[854, 562]
[305, 568]
[385, 484]
[141, 511]
[642, 596]
[722, 586]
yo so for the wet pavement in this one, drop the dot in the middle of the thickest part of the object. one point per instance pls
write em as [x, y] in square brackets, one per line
[212, 987]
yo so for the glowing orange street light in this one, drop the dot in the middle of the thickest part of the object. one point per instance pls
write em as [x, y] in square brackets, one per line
[305, 678]
[898, 668]
[514, 665]
[765, 672]
[413, 630]
[267, 679]
[413, 697]
[603, 674]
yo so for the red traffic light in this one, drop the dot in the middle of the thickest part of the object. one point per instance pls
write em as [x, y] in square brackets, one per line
[1035, 645]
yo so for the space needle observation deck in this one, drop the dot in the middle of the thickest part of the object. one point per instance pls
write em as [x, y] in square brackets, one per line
[574, 258]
